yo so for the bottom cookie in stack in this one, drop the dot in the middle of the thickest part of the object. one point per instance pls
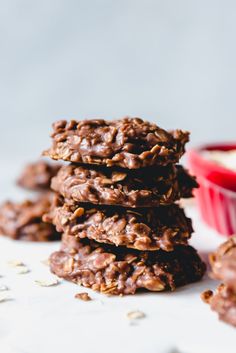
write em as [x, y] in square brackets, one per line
[223, 264]
[119, 270]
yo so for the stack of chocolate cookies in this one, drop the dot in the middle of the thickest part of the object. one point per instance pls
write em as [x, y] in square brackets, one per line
[116, 206]
[223, 264]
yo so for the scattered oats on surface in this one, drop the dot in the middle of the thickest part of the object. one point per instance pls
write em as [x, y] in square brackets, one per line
[4, 297]
[45, 262]
[83, 296]
[15, 263]
[3, 288]
[136, 315]
[47, 282]
[22, 270]
[19, 266]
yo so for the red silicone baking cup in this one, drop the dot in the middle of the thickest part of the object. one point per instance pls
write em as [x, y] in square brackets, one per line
[216, 196]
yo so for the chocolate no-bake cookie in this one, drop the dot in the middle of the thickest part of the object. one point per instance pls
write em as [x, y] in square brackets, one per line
[37, 176]
[223, 263]
[24, 220]
[223, 301]
[118, 270]
[128, 143]
[148, 187]
[115, 206]
[142, 229]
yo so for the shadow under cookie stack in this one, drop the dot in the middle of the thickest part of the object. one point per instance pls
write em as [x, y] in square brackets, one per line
[116, 206]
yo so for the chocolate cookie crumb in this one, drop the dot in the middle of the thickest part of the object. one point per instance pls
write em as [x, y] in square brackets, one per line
[206, 296]
[83, 296]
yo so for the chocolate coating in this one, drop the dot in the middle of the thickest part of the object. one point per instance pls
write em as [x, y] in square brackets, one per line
[149, 187]
[142, 229]
[113, 270]
[223, 301]
[37, 176]
[223, 263]
[128, 143]
[24, 220]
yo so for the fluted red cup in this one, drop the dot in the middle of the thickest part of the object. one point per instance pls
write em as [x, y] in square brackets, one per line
[216, 196]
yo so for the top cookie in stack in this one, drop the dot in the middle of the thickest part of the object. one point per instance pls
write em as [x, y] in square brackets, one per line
[116, 206]
[127, 143]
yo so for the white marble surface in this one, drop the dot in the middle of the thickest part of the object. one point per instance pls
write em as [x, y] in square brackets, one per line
[39, 319]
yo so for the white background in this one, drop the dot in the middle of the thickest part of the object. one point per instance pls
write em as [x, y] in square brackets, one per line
[169, 61]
